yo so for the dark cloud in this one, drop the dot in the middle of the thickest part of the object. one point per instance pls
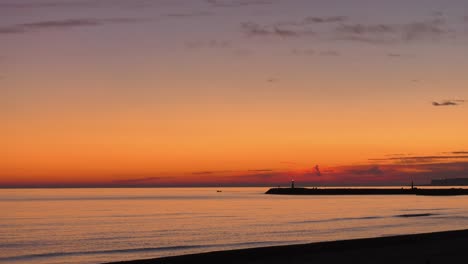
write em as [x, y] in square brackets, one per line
[330, 19]
[375, 170]
[312, 21]
[261, 170]
[421, 159]
[317, 170]
[441, 170]
[62, 24]
[289, 28]
[237, 3]
[459, 152]
[448, 103]
[391, 33]
[255, 30]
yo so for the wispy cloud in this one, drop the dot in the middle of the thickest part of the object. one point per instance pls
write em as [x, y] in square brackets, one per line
[329, 19]
[459, 152]
[422, 159]
[289, 28]
[374, 170]
[63, 24]
[256, 30]
[391, 33]
[261, 170]
[312, 20]
[448, 103]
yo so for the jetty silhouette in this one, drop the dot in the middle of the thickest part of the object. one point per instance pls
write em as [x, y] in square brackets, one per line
[367, 191]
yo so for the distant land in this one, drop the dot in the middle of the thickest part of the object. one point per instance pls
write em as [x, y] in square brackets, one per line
[450, 182]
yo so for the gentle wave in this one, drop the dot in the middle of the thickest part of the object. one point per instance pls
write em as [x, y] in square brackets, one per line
[362, 218]
[337, 219]
[140, 250]
[415, 215]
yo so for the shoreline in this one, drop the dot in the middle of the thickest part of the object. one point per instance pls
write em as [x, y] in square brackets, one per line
[425, 248]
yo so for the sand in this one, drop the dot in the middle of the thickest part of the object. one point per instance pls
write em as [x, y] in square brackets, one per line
[439, 247]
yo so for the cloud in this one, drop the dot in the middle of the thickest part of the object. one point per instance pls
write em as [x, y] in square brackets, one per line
[255, 30]
[459, 152]
[261, 170]
[441, 170]
[375, 170]
[62, 24]
[317, 170]
[320, 20]
[313, 21]
[448, 103]
[422, 159]
[391, 33]
[289, 28]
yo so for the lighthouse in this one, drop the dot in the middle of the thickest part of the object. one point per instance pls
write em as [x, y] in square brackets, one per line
[292, 184]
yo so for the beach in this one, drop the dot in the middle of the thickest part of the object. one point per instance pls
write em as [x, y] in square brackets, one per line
[438, 247]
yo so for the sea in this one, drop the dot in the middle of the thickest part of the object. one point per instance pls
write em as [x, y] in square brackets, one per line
[103, 225]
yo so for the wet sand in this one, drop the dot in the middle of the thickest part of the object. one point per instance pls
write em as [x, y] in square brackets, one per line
[439, 247]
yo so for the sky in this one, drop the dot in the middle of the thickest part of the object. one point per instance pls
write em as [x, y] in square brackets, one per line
[232, 92]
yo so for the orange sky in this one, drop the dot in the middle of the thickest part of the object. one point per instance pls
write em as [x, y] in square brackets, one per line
[185, 97]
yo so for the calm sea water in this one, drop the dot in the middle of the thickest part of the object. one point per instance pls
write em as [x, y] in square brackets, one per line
[100, 225]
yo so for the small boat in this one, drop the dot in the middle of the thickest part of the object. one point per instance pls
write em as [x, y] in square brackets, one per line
[219, 191]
